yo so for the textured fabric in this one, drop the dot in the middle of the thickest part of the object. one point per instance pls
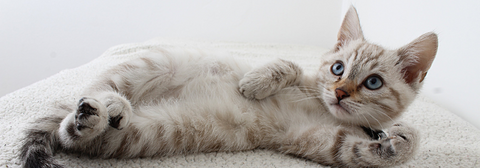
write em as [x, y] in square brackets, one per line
[447, 140]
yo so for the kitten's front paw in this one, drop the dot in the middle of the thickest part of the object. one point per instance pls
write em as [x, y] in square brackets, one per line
[269, 79]
[399, 147]
[404, 138]
[91, 116]
[256, 86]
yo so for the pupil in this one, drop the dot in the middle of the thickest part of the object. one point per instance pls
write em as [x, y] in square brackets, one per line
[373, 81]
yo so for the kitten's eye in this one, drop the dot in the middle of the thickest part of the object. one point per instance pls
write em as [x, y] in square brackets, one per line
[337, 68]
[373, 82]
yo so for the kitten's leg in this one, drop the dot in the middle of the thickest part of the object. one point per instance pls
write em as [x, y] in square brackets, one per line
[345, 148]
[88, 121]
[270, 78]
[396, 149]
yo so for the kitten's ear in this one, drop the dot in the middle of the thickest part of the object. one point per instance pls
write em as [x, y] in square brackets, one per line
[417, 57]
[350, 29]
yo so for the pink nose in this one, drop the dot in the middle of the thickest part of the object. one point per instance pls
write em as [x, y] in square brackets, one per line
[341, 94]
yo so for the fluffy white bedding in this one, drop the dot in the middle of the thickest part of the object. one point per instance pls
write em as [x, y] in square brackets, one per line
[447, 140]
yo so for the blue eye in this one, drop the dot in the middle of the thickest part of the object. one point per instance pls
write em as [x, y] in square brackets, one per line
[337, 68]
[373, 82]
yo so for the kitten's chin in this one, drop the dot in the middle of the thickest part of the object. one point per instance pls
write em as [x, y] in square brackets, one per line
[339, 111]
[342, 114]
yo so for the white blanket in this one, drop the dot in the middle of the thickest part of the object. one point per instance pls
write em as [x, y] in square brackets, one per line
[447, 140]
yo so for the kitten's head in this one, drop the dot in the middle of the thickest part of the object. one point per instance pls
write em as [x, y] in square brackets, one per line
[366, 84]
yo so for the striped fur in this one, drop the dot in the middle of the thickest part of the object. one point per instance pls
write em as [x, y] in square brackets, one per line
[178, 101]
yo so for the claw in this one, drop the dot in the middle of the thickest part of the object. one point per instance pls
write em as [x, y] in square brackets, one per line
[81, 127]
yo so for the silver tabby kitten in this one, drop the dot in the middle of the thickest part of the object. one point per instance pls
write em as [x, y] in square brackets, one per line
[172, 102]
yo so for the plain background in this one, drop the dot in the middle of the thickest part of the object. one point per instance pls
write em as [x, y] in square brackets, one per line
[41, 38]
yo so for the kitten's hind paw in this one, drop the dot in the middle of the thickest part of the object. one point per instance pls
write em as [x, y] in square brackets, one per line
[91, 117]
[119, 111]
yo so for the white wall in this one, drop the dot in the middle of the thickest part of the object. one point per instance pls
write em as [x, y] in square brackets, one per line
[454, 79]
[40, 38]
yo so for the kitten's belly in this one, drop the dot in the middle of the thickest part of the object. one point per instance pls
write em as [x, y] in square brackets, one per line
[211, 108]
[216, 91]
[214, 81]
[190, 79]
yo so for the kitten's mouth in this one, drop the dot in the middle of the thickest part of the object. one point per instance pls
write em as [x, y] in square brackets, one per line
[339, 108]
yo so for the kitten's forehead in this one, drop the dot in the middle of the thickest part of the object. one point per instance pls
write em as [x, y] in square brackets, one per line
[366, 57]
[365, 52]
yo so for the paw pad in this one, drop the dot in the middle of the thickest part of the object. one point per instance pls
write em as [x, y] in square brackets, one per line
[87, 109]
[115, 122]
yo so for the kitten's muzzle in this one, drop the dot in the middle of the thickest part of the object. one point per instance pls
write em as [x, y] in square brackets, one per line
[341, 94]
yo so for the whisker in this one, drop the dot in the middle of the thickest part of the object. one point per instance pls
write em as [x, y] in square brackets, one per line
[295, 95]
[376, 120]
[352, 104]
[330, 95]
[383, 113]
[369, 126]
[307, 98]
[357, 103]
[307, 87]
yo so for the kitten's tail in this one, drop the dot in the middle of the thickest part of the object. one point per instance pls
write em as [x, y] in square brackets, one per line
[40, 143]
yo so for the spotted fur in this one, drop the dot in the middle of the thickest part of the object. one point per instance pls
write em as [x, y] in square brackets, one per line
[173, 101]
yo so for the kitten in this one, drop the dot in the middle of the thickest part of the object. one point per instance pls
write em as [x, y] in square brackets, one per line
[171, 102]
